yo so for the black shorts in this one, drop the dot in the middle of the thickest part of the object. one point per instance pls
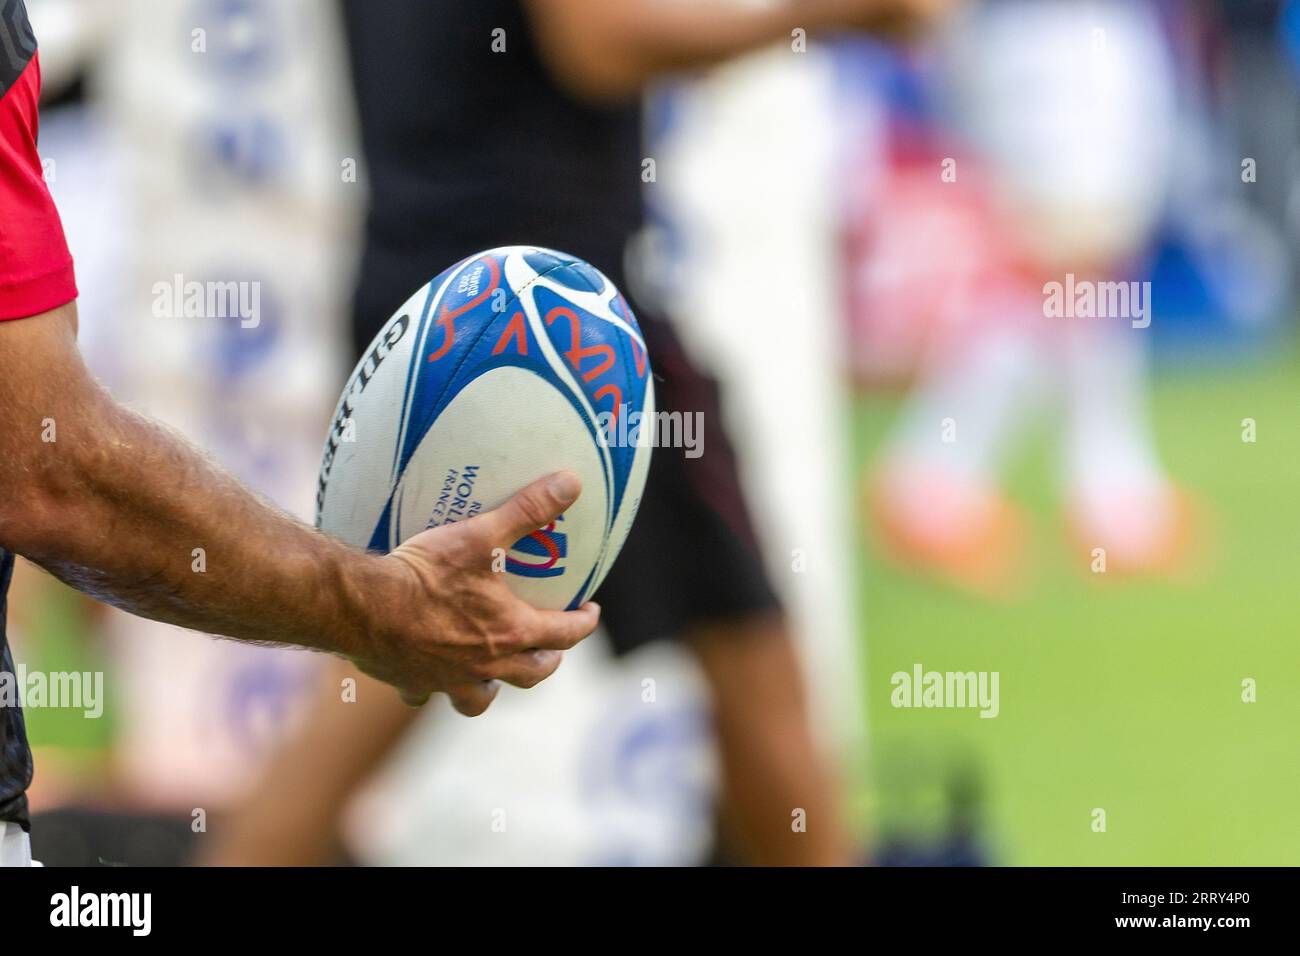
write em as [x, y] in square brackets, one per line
[692, 556]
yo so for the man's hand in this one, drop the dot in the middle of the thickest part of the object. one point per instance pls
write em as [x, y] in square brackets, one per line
[445, 621]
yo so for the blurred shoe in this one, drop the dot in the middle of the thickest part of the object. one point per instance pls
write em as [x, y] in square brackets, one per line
[967, 535]
[1153, 532]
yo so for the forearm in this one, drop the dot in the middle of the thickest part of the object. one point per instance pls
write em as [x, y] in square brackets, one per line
[612, 49]
[144, 521]
[658, 36]
[127, 510]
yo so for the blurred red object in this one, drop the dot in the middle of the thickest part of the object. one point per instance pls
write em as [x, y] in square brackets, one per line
[929, 258]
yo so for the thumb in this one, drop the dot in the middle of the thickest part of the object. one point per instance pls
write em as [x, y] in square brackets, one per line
[535, 507]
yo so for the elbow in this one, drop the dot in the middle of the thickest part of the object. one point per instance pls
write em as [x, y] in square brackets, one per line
[42, 501]
[29, 516]
[24, 522]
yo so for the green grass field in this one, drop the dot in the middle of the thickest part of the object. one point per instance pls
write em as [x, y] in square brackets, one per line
[1125, 696]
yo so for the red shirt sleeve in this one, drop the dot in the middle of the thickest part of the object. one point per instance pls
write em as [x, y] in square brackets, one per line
[35, 265]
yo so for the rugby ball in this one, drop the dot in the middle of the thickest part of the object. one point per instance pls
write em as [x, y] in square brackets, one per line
[514, 363]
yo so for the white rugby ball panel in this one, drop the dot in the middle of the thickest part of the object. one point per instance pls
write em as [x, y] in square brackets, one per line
[365, 420]
[461, 469]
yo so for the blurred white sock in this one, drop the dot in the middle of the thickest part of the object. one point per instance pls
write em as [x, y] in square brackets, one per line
[961, 416]
[1113, 474]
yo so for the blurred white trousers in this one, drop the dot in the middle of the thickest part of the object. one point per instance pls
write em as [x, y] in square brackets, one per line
[15, 846]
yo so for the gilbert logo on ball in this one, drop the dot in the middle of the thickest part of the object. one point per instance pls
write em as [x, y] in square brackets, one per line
[512, 364]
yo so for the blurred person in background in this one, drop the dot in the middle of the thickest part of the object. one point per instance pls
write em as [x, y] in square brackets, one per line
[948, 261]
[1065, 117]
[521, 122]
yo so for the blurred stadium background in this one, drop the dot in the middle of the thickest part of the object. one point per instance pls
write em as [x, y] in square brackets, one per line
[780, 180]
